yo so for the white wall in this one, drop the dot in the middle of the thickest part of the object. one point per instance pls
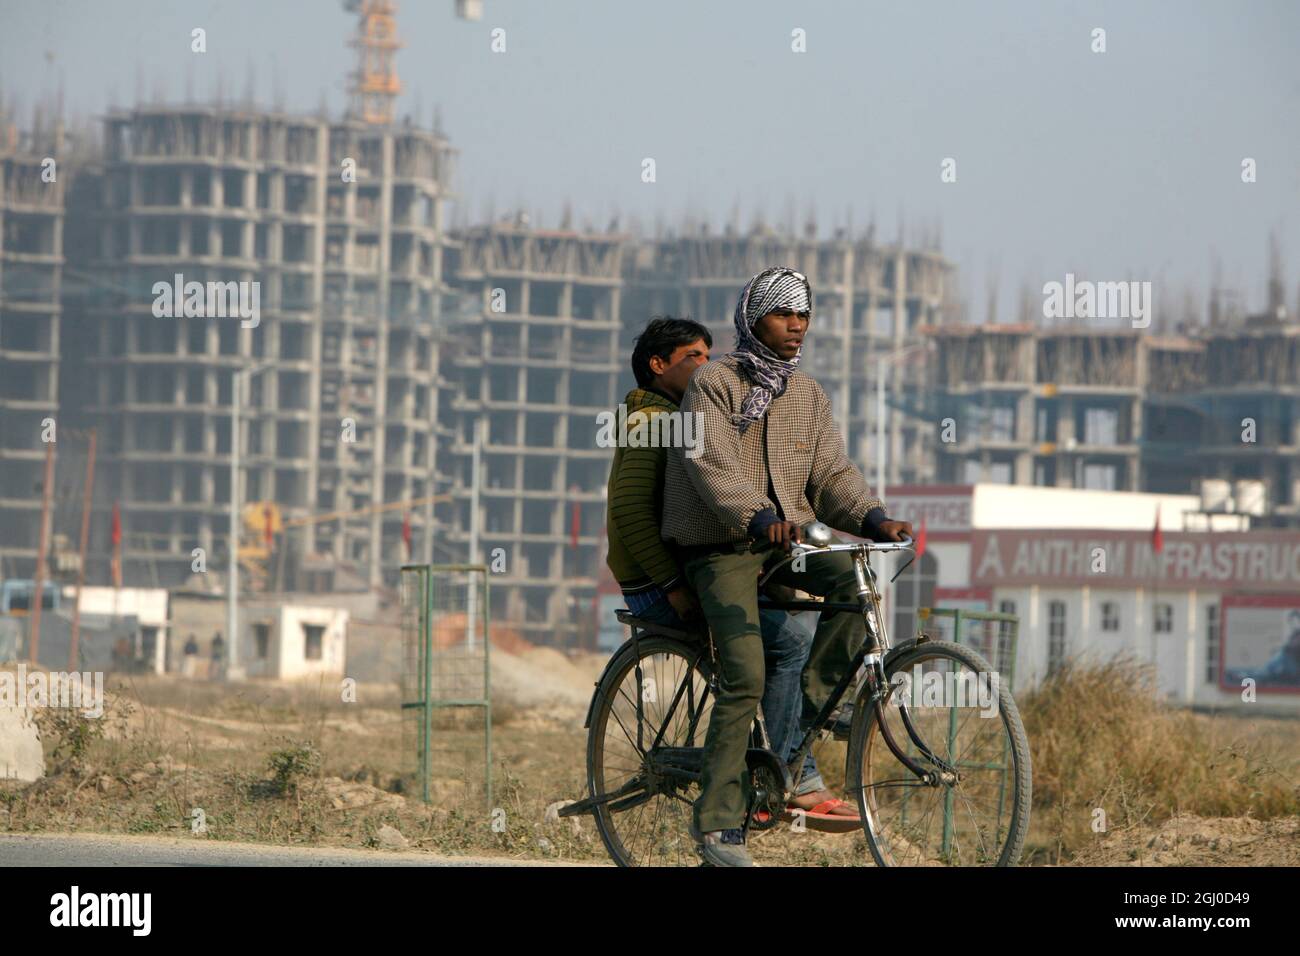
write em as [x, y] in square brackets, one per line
[289, 643]
[1179, 656]
[1023, 506]
[147, 605]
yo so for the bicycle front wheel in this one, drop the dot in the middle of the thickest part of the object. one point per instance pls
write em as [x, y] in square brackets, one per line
[972, 808]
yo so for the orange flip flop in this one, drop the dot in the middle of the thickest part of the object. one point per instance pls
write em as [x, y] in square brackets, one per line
[822, 819]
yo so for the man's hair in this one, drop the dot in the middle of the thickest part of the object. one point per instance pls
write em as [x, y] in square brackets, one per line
[662, 336]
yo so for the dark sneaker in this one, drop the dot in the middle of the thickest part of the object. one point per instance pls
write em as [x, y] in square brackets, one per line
[722, 847]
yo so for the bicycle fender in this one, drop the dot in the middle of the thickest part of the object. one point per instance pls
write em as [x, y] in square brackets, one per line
[903, 648]
[595, 694]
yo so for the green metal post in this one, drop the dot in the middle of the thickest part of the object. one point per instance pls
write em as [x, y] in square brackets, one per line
[487, 690]
[952, 751]
[426, 695]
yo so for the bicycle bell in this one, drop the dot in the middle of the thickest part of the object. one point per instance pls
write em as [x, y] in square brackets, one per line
[817, 534]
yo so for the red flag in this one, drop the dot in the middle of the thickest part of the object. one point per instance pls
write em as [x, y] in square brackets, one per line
[1157, 538]
[575, 525]
[406, 532]
[919, 540]
[116, 538]
[269, 530]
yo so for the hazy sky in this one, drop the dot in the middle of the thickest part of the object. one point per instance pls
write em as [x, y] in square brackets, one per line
[1123, 164]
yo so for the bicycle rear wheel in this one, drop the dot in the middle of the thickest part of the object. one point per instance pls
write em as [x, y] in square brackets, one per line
[975, 809]
[646, 818]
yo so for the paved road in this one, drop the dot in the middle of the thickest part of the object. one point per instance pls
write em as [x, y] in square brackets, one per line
[78, 849]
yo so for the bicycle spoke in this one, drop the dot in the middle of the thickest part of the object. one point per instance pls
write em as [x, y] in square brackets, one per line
[960, 823]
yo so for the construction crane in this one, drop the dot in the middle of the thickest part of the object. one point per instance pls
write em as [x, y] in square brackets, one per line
[374, 84]
[262, 520]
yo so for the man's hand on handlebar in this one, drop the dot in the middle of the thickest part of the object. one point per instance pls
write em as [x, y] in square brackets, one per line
[783, 534]
[895, 530]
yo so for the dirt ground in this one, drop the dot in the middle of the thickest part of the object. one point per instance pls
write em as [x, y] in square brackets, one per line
[296, 765]
[1188, 840]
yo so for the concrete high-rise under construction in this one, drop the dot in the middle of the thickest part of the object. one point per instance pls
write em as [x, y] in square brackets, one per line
[31, 266]
[335, 230]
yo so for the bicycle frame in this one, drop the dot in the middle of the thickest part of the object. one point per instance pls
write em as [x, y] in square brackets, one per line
[684, 763]
[872, 653]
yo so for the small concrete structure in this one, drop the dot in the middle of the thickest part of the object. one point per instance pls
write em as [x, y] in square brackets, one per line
[21, 758]
[278, 639]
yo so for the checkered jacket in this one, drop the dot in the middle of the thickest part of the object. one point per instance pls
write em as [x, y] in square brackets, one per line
[712, 498]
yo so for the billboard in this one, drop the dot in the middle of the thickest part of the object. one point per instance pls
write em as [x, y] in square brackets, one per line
[1261, 641]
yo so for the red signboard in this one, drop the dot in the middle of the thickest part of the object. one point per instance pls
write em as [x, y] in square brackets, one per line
[1222, 561]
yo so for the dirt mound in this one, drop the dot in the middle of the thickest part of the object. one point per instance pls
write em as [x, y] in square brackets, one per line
[355, 795]
[449, 630]
[1189, 840]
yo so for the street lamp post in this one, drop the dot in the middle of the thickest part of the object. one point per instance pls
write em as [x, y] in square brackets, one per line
[238, 381]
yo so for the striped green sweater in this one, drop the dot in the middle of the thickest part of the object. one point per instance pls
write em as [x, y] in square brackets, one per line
[638, 557]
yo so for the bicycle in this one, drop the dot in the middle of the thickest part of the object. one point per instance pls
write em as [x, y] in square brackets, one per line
[642, 784]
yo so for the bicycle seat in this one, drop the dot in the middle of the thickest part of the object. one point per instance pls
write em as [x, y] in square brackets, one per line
[652, 627]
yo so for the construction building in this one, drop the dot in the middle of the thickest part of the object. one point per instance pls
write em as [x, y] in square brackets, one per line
[1212, 411]
[333, 232]
[1237, 428]
[536, 364]
[1023, 405]
[31, 267]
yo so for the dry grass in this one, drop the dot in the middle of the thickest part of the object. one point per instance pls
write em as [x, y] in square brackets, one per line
[1100, 739]
[294, 764]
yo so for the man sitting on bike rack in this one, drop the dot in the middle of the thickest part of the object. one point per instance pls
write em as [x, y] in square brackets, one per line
[771, 460]
[666, 354]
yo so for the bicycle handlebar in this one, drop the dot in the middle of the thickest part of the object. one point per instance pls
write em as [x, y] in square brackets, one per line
[799, 547]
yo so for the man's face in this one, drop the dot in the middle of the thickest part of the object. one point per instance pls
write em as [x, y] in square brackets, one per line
[782, 331]
[673, 374]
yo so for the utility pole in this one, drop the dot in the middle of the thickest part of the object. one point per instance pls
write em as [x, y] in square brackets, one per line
[81, 564]
[241, 376]
[882, 369]
[38, 577]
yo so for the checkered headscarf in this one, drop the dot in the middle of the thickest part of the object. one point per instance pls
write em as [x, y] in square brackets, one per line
[770, 290]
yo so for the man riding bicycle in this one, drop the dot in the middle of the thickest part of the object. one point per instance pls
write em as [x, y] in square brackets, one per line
[664, 357]
[771, 460]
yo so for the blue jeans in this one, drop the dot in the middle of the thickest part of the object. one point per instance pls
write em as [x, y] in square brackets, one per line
[787, 639]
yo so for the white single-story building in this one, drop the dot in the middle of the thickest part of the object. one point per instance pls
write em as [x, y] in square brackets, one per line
[277, 640]
[287, 641]
[1214, 610]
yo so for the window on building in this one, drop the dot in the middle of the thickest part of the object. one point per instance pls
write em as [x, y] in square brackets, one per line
[1162, 618]
[1101, 426]
[262, 640]
[1109, 616]
[1212, 643]
[313, 641]
[1056, 639]
[913, 590]
[1100, 477]
[1002, 424]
